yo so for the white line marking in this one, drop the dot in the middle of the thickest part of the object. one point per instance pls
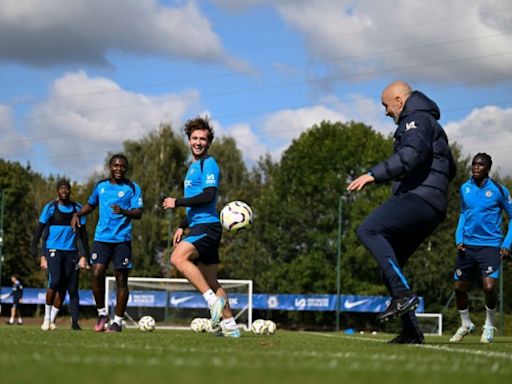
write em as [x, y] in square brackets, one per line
[489, 354]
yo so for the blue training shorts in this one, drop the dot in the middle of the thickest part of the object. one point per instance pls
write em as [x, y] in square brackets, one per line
[477, 262]
[120, 254]
[206, 239]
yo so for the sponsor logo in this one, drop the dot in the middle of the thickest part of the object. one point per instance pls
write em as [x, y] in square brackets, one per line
[210, 179]
[352, 304]
[188, 183]
[272, 302]
[410, 125]
[120, 194]
[488, 193]
[180, 300]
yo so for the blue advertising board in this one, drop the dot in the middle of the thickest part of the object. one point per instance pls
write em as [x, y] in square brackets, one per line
[261, 301]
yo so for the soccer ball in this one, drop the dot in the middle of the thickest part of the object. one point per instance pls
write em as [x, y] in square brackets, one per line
[236, 216]
[147, 324]
[199, 324]
[271, 327]
[259, 327]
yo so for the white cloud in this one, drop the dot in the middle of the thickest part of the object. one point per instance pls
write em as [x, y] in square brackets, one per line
[491, 123]
[50, 32]
[356, 40]
[86, 117]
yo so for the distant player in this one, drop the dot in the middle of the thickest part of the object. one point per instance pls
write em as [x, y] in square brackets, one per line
[119, 201]
[196, 256]
[480, 244]
[17, 294]
[59, 254]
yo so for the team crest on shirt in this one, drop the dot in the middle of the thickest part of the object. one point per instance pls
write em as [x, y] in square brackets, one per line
[488, 193]
[188, 183]
[120, 194]
[467, 190]
[102, 190]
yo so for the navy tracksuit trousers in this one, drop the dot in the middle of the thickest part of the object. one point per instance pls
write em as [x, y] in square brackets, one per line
[393, 231]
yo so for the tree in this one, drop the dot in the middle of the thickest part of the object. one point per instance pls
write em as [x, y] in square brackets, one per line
[297, 211]
[21, 188]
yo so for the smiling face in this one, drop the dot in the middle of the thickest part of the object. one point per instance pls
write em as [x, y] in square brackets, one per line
[199, 143]
[118, 167]
[63, 193]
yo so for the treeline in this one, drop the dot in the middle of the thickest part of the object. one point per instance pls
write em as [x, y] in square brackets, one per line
[293, 245]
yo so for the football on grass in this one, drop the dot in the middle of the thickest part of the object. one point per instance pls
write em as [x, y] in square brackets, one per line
[147, 324]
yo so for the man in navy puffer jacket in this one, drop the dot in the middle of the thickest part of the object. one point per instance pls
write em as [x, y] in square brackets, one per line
[420, 169]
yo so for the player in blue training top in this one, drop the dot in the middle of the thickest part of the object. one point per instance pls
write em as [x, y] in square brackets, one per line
[119, 201]
[17, 294]
[196, 256]
[59, 254]
[480, 243]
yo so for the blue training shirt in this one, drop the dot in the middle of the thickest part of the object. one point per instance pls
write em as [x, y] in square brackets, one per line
[195, 181]
[60, 237]
[480, 215]
[111, 227]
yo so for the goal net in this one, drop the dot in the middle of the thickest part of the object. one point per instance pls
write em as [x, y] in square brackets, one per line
[174, 302]
[430, 323]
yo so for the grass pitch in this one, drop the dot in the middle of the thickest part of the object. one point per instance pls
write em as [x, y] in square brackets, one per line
[28, 355]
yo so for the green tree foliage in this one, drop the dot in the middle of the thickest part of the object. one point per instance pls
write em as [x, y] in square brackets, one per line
[298, 210]
[21, 188]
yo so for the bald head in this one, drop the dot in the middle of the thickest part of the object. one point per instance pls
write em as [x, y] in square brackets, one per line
[394, 97]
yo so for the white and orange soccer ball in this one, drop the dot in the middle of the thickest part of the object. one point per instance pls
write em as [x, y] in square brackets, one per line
[236, 216]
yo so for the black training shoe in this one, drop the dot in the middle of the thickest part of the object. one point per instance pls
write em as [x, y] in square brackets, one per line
[399, 306]
[114, 327]
[403, 338]
[76, 327]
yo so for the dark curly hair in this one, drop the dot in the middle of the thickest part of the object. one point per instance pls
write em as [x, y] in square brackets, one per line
[199, 123]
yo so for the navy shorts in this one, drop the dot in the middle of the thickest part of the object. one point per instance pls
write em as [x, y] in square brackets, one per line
[120, 254]
[206, 239]
[477, 262]
[61, 266]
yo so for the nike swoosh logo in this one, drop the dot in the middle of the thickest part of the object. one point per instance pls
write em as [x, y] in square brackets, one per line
[177, 301]
[352, 304]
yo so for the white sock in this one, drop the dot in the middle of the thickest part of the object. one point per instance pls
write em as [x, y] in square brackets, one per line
[47, 311]
[53, 314]
[102, 311]
[464, 317]
[118, 319]
[210, 297]
[491, 316]
[229, 323]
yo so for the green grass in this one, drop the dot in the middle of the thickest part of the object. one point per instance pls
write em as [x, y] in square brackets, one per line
[29, 355]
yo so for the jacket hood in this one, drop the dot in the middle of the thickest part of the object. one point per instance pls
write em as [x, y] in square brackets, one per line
[418, 102]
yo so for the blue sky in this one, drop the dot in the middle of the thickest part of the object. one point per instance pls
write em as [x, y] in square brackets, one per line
[78, 77]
